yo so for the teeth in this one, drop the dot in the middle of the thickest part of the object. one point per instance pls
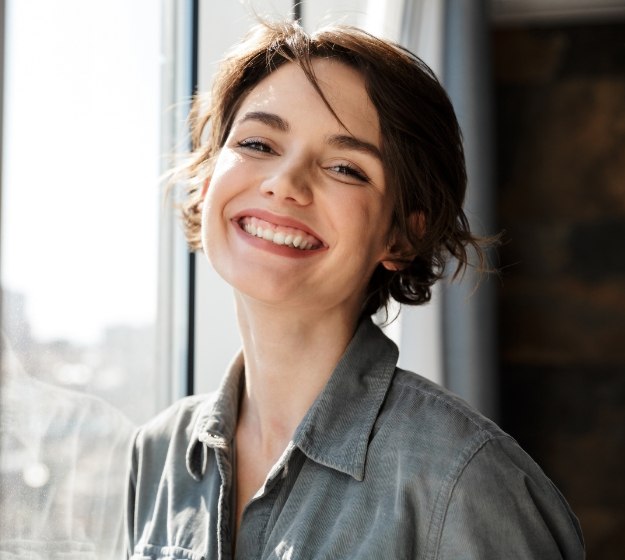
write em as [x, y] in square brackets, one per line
[289, 239]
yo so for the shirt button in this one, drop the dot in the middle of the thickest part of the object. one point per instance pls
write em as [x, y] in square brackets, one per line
[206, 437]
[213, 440]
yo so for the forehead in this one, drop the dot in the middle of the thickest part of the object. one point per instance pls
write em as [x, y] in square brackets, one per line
[288, 90]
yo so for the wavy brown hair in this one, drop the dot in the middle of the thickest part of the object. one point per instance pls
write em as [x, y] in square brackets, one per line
[421, 146]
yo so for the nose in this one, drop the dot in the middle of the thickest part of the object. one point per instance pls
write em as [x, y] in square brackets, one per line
[289, 181]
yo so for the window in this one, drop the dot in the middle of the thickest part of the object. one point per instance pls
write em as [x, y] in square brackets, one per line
[80, 211]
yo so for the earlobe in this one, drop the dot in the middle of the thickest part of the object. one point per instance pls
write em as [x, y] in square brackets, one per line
[392, 266]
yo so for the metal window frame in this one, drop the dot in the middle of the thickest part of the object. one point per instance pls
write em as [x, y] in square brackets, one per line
[176, 273]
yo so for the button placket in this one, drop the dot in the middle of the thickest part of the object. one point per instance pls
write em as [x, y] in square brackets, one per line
[220, 447]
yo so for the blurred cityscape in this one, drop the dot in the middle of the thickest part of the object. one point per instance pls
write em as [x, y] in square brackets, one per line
[67, 415]
[119, 368]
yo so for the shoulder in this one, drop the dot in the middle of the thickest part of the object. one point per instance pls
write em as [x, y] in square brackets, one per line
[182, 410]
[161, 448]
[417, 411]
[173, 427]
[501, 504]
[431, 432]
[487, 497]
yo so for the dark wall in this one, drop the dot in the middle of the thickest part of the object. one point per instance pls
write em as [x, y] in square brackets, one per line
[561, 185]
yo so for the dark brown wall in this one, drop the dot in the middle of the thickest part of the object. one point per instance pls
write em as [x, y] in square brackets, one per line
[561, 185]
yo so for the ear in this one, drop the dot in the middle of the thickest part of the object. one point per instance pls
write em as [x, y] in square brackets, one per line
[401, 251]
[393, 266]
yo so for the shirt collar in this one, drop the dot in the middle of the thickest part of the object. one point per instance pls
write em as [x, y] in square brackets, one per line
[335, 432]
[216, 419]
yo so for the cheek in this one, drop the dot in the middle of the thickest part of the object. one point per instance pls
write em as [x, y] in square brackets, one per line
[227, 179]
[218, 188]
[212, 212]
[366, 215]
[225, 184]
[227, 162]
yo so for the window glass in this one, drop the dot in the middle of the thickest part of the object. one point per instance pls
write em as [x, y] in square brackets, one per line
[80, 207]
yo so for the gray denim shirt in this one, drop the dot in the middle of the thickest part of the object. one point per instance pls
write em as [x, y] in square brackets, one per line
[385, 465]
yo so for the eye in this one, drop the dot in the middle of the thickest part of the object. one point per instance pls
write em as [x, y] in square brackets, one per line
[256, 145]
[349, 171]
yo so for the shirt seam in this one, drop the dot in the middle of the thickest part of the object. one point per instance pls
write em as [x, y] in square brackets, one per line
[444, 496]
[447, 401]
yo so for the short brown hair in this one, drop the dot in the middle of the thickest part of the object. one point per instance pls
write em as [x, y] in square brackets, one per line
[422, 151]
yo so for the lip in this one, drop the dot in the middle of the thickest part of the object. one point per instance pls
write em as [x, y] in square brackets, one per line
[278, 220]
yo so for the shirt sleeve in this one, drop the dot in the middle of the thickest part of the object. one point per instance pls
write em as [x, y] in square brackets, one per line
[503, 506]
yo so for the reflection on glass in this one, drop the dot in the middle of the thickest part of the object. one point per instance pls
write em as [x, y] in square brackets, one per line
[80, 203]
[62, 466]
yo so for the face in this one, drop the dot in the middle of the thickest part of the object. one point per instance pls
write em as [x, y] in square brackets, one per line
[296, 213]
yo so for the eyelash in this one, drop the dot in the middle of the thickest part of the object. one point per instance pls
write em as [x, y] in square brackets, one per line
[258, 145]
[255, 144]
[350, 171]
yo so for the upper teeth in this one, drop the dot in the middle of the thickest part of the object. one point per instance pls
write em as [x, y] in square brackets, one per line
[291, 237]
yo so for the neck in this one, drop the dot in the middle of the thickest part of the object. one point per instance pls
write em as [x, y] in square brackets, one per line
[289, 358]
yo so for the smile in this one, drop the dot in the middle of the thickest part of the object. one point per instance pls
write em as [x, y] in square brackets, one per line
[279, 235]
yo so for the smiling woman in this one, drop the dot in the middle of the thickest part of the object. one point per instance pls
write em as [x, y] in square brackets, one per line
[328, 175]
[290, 168]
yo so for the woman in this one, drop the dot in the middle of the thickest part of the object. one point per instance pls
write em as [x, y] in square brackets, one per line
[327, 176]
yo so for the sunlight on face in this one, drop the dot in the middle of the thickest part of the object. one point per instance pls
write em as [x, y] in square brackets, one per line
[296, 212]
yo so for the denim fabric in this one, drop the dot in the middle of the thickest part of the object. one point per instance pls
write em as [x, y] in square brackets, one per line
[385, 465]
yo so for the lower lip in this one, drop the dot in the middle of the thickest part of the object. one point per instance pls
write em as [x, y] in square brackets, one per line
[283, 250]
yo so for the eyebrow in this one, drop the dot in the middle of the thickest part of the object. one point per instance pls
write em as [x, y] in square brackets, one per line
[353, 143]
[270, 119]
[344, 141]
